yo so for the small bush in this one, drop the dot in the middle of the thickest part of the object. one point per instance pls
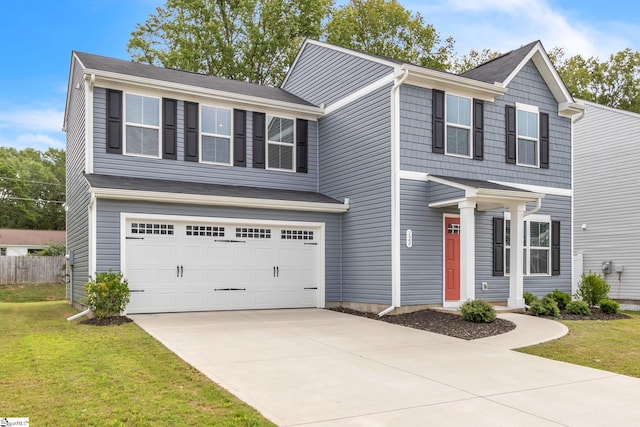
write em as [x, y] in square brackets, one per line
[529, 298]
[108, 294]
[608, 306]
[545, 307]
[579, 308]
[478, 311]
[592, 288]
[561, 298]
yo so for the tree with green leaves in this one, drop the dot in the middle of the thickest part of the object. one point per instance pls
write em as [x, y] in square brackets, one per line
[249, 40]
[386, 28]
[32, 188]
[472, 60]
[615, 83]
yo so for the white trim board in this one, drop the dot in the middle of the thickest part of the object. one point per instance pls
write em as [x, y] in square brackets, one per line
[360, 93]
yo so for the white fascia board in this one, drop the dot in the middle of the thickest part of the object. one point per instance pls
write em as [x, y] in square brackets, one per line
[413, 176]
[396, 66]
[551, 191]
[489, 194]
[360, 93]
[448, 183]
[251, 101]
[242, 202]
[295, 62]
[425, 77]
[446, 203]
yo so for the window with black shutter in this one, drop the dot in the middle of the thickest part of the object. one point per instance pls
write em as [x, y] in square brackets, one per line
[114, 121]
[191, 131]
[302, 145]
[169, 129]
[239, 138]
[498, 247]
[259, 128]
[437, 131]
[510, 118]
[555, 248]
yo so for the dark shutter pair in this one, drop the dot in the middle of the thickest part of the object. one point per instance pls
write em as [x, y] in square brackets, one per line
[115, 123]
[498, 247]
[260, 142]
[439, 125]
[512, 137]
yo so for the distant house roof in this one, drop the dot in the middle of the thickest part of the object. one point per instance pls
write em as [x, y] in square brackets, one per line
[12, 236]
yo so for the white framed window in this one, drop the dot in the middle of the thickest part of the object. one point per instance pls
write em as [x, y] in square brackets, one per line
[142, 125]
[536, 243]
[280, 143]
[215, 135]
[528, 140]
[458, 119]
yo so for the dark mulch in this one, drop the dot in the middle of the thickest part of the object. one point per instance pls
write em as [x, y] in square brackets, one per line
[440, 323]
[596, 314]
[107, 321]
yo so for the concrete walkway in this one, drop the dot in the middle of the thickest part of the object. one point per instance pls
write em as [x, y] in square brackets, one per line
[322, 368]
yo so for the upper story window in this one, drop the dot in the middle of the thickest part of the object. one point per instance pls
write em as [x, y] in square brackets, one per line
[280, 143]
[215, 135]
[458, 139]
[527, 135]
[142, 125]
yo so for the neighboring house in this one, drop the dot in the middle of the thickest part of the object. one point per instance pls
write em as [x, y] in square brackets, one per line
[364, 181]
[17, 242]
[604, 185]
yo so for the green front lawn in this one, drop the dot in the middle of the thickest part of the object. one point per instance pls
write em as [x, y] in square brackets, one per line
[31, 293]
[63, 373]
[612, 345]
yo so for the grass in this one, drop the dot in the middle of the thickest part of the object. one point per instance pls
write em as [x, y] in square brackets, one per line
[64, 373]
[612, 345]
[32, 293]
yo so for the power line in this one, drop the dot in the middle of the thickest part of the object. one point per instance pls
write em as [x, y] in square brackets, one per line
[31, 200]
[32, 182]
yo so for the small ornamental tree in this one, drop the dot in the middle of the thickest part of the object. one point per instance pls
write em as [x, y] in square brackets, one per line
[592, 288]
[108, 294]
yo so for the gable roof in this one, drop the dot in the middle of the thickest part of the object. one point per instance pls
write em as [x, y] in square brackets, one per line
[499, 69]
[22, 237]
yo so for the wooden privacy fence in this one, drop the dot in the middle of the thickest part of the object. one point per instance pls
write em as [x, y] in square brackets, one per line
[31, 269]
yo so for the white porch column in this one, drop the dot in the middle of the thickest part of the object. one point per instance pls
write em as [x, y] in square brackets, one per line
[467, 250]
[516, 261]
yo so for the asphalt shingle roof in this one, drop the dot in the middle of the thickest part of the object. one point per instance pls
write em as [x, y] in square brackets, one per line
[498, 69]
[476, 183]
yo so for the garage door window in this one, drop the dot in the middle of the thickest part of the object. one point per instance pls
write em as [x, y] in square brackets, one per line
[296, 235]
[148, 228]
[253, 233]
[205, 231]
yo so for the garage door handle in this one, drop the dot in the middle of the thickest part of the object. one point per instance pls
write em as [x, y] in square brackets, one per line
[274, 271]
[312, 288]
[136, 290]
[181, 271]
[277, 271]
[230, 289]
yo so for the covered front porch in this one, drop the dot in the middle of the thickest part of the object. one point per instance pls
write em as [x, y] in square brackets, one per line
[459, 269]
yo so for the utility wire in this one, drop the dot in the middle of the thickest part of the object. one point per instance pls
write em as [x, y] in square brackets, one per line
[32, 182]
[31, 200]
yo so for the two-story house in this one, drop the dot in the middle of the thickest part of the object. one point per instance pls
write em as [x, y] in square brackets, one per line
[363, 181]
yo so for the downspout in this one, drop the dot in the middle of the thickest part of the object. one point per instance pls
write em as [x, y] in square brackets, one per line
[395, 195]
[78, 315]
[534, 210]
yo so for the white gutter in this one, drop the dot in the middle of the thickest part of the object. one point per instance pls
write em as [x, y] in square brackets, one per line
[534, 210]
[395, 194]
[78, 315]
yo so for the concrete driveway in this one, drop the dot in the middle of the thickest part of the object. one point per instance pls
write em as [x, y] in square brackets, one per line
[322, 368]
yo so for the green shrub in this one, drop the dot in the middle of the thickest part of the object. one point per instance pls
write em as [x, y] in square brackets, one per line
[545, 307]
[579, 308]
[561, 298]
[529, 298]
[608, 306]
[592, 288]
[108, 294]
[478, 311]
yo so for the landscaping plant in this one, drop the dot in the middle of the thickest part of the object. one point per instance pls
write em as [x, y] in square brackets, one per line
[478, 311]
[579, 308]
[608, 306]
[561, 298]
[547, 306]
[592, 288]
[108, 294]
[529, 298]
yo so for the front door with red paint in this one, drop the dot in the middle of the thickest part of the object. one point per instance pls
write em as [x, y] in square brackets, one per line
[451, 259]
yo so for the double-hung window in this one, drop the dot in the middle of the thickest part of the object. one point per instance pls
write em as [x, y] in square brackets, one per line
[537, 246]
[527, 135]
[458, 139]
[142, 125]
[215, 135]
[280, 143]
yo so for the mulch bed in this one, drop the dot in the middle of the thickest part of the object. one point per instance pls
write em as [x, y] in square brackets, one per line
[596, 314]
[107, 321]
[440, 323]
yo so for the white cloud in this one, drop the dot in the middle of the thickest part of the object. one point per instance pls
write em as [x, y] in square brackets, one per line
[32, 120]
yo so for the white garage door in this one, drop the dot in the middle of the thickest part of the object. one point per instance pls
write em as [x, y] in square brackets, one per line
[180, 266]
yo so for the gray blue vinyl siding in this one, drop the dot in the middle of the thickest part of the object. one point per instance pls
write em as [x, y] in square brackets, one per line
[180, 170]
[421, 265]
[606, 196]
[355, 156]
[108, 231]
[323, 75]
[527, 87]
[77, 196]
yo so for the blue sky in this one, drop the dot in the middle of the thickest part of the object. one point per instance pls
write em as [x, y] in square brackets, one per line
[37, 42]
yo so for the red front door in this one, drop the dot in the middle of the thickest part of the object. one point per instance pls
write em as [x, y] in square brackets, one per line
[452, 259]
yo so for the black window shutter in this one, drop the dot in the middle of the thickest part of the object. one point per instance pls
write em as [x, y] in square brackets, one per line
[239, 138]
[437, 136]
[191, 131]
[169, 129]
[511, 134]
[555, 248]
[478, 129]
[544, 140]
[302, 147]
[259, 128]
[498, 246]
[114, 121]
